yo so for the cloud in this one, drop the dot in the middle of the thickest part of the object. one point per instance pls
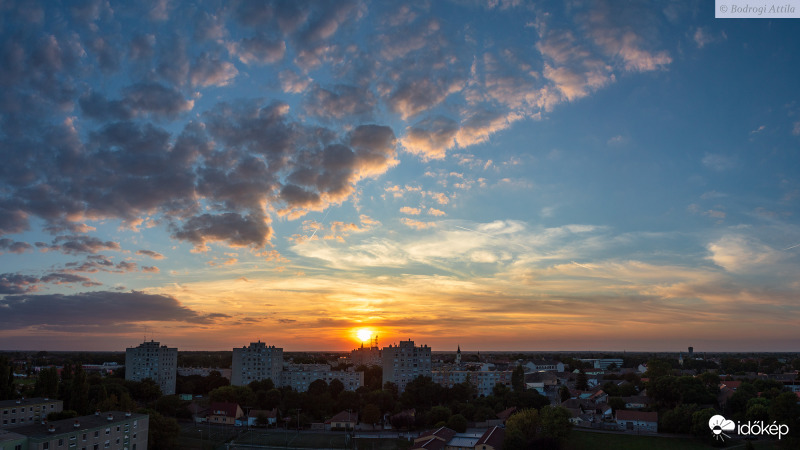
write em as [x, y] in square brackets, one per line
[743, 255]
[412, 97]
[436, 212]
[431, 137]
[235, 229]
[209, 71]
[416, 224]
[150, 269]
[292, 82]
[76, 312]
[82, 244]
[150, 253]
[410, 211]
[259, 49]
[14, 246]
[340, 101]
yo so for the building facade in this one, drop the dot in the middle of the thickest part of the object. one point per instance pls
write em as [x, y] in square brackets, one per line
[114, 430]
[300, 376]
[255, 363]
[484, 381]
[404, 362]
[26, 411]
[154, 361]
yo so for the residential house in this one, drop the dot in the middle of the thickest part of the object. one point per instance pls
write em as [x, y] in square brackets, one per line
[224, 413]
[344, 420]
[637, 421]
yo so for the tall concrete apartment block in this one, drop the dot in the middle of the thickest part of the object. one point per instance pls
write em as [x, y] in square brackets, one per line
[404, 362]
[149, 360]
[255, 363]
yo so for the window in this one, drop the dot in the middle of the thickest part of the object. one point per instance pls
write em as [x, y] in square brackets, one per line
[60, 442]
[45, 446]
[84, 436]
[108, 430]
[96, 433]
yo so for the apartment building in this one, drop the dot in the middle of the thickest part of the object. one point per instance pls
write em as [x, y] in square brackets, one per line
[14, 413]
[154, 361]
[256, 362]
[300, 376]
[404, 362]
[484, 381]
[114, 430]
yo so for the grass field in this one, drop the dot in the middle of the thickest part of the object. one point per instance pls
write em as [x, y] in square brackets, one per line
[581, 440]
[317, 440]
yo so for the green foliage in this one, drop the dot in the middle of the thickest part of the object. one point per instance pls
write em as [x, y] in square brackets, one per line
[555, 422]
[678, 420]
[657, 368]
[7, 389]
[145, 391]
[518, 379]
[47, 383]
[335, 388]
[581, 381]
[162, 432]
[616, 403]
[370, 414]
[521, 429]
[317, 388]
[241, 395]
[700, 421]
[439, 414]
[458, 423]
[563, 393]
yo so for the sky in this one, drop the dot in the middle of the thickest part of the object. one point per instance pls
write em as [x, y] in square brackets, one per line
[499, 175]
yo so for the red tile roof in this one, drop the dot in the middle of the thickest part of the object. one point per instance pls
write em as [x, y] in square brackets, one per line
[226, 409]
[640, 416]
[493, 436]
[344, 416]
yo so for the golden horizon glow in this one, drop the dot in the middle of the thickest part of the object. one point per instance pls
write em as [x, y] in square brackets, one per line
[364, 334]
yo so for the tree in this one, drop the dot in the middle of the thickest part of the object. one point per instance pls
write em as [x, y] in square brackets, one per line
[563, 393]
[518, 379]
[241, 395]
[700, 421]
[521, 430]
[162, 432]
[335, 388]
[47, 382]
[7, 389]
[317, 388]
[79, 392]
[554, 422]
[371, 414]
[581, 381]
[458, 423]
[439, 414]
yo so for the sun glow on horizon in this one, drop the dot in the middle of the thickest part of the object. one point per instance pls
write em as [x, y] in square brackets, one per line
[364, 334]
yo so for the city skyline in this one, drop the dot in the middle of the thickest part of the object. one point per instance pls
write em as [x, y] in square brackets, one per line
[499, 176]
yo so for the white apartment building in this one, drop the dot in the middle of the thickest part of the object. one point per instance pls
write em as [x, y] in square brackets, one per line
[255, 363]
[404, 362]
[483, 381]
[300, 376]
[154, 361]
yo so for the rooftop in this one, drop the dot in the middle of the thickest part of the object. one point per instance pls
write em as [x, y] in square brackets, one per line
[83, 422]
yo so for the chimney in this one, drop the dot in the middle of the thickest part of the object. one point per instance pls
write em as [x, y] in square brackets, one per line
[128, 414]
[110, 417]
[51, 429]
[97, 412]
[77, 424]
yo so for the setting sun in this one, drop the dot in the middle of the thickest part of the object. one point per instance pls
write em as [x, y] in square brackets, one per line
[364, 334]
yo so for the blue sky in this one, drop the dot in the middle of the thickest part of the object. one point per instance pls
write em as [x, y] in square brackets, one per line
[499, 175]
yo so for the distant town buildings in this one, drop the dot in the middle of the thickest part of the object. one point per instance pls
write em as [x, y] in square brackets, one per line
[259, 362]
[484, 380]
[300, 376]
[404, 362]
[27, 410]
[114, 430]
[367, 356]
[255, 363]
[154, 361]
